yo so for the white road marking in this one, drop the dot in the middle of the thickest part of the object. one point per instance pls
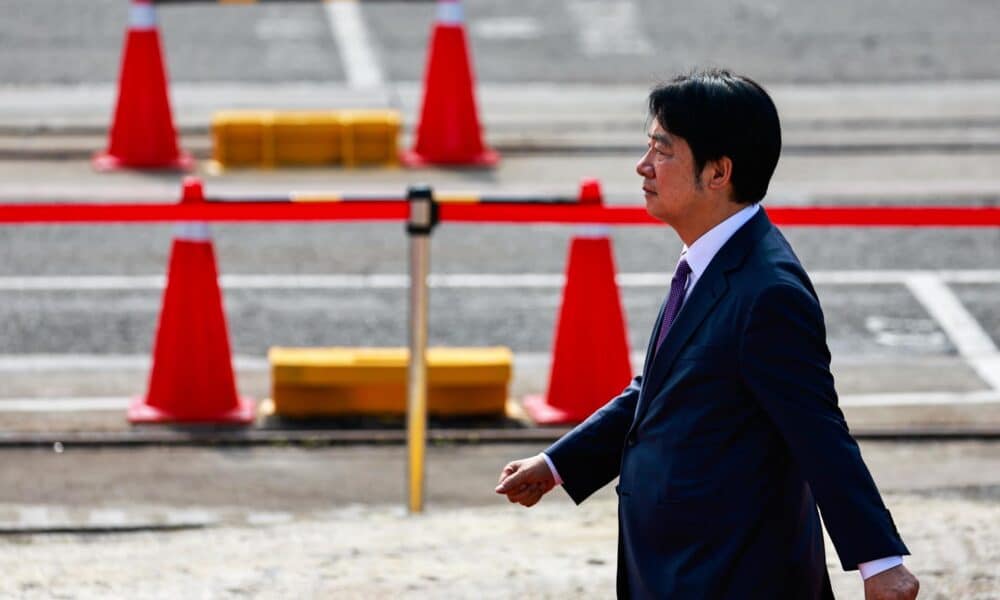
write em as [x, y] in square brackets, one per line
[269, 518]
[188, 517]
[351, 34]
[23, 363]
[287, 29]
[507, 28]
[919, 334]
[972, 342]
[609, 28]
[928, 286]
[40, 516]
[107, 518]
[872, 277]
[61, 405]
[47, 517]
[55, 283]
[920, 399]
[82, 283]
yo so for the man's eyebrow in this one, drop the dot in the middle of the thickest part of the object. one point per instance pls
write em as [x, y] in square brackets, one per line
[660, 137]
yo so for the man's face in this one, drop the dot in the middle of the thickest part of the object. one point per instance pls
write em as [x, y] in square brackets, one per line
[667, 169]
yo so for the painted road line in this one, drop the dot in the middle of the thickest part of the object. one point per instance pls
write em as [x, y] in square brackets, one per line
[25, 363]
[111, 518]
[64, 405]
[507, 28]
[64, 519]
[351, 34]
[873, 277]
[47, 283]
[920, 399]
[82, 283]
[973, 344]
[609, 28]
[269, 518]
[37, 516]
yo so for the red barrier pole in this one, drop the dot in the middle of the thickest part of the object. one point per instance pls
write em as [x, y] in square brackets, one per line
[890, 216]
[208, 212]
[896, 216]
[397, 210]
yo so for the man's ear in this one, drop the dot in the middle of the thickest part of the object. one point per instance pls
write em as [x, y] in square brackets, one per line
[718, 173]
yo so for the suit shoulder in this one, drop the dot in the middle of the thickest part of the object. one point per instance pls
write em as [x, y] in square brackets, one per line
[772, 265]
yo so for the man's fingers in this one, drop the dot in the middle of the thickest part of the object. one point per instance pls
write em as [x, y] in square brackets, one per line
[507, 471]
[533, 498]
[518, 492]
[513, 480]
[538, 492]
[525, 492]
[524, 481]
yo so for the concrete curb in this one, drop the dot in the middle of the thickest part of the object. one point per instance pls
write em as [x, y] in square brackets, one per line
[956, 116]
[200, 147]
[67, 529]
[361, 437]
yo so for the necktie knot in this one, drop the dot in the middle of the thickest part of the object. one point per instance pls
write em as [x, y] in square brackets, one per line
[682, 271]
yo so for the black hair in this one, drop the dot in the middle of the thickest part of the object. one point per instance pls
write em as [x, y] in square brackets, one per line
[721, 114]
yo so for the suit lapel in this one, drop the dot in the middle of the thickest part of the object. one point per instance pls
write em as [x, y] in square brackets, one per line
[651, 345]
[711, 287]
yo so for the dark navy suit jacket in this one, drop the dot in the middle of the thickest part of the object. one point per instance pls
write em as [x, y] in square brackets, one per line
[729, 440]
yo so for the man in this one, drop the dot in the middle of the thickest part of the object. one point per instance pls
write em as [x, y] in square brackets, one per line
[732, 436]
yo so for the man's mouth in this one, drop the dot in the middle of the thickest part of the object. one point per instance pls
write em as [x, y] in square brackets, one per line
[648, 191]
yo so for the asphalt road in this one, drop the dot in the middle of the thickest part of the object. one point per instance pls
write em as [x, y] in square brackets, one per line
[883, 104]
[117, 321]
[64, 41]
[304, 482]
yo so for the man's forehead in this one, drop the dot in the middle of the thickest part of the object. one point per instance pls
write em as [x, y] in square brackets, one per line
[659, 134]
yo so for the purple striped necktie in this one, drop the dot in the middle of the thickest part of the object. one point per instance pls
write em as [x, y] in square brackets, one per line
[674, 300]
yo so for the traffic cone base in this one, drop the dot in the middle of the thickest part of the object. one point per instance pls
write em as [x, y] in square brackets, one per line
[107, 162]
[484, 158]
[140, 412]
[590, 362]
[543, 413]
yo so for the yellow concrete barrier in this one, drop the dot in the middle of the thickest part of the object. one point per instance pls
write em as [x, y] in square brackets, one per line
[288, 138]
[308, 382]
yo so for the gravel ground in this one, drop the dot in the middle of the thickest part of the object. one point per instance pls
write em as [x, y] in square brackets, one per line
[551, 551]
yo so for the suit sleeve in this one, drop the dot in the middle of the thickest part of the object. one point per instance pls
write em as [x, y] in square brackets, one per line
[590, 456]
[785, 363]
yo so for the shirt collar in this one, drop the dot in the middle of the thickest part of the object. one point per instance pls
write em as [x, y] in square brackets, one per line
[704, 249]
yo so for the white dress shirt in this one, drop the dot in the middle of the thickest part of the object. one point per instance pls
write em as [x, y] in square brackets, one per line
[699, 255]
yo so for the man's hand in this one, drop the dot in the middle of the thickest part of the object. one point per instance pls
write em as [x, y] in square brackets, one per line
[893, 584]
[526, 481]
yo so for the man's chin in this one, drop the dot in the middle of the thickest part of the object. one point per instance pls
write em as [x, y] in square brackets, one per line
[651, 208]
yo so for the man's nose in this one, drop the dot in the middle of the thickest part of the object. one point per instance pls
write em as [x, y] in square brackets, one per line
[644, 167]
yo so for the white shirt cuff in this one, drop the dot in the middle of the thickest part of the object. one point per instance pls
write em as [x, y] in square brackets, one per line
[552, 468]
[874, 567]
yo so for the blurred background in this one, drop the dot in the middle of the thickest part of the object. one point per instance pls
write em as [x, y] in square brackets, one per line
[882, 104]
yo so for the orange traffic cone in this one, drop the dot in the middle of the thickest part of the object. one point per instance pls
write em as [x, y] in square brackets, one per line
[192, 376]
[142, 134]
[448, 132]
[590, 362]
